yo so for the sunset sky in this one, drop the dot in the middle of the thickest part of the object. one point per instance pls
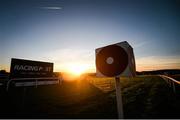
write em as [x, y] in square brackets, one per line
[67, 32]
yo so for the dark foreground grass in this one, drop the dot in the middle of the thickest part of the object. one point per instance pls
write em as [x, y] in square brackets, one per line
[150, 98]
[146, 97]
[143, 97]
[76, 99]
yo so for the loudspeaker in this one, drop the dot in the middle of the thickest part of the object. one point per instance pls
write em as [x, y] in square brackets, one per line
[115, 60]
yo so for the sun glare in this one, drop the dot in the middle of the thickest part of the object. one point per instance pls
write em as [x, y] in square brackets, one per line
[77, 69]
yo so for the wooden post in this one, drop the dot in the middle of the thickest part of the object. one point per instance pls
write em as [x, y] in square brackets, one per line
[119, 98]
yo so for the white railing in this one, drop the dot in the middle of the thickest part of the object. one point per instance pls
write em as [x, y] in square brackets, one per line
[171, 82]
[35, 82]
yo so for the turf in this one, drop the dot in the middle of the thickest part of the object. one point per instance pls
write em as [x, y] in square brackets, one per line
[143, 97]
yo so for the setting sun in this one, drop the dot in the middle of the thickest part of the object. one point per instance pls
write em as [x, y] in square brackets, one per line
[77, 69]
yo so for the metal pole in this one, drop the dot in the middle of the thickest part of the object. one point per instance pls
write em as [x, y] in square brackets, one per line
[119, 98]
[23, 98]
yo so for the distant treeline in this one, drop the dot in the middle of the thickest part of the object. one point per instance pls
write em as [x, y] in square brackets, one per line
[154, 72]
[157, 72]
[4, 73]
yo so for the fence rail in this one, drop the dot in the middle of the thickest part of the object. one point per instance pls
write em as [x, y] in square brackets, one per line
[173, 83]
[34, 82]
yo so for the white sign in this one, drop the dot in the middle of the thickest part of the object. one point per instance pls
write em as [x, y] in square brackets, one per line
[115, 60]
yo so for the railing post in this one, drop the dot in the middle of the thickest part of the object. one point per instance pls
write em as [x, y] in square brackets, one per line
[36, 83]
[169, 82]
[174, 87]
[172, 83]
[59, 81]
[8, 84]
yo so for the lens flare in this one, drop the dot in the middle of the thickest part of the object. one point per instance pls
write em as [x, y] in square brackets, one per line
[77, 69]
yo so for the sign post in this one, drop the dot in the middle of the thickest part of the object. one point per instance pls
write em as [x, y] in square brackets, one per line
[114, 61]
[119, 98]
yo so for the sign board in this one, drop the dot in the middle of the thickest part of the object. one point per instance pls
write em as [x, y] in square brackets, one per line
[30, 69]
[115, 60]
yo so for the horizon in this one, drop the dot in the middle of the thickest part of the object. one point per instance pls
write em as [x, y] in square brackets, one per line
[68, 32]
[66, 72]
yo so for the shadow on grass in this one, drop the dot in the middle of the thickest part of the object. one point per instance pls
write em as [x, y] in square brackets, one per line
[143, 97]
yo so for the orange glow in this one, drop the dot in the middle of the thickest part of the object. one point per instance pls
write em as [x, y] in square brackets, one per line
[77, 69]
[157, 63]
[73, 71]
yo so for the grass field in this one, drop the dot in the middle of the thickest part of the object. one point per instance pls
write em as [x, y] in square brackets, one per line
[143, 97]
[146, 97]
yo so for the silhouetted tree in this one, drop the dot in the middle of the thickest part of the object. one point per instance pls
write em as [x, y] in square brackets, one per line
[2, 71]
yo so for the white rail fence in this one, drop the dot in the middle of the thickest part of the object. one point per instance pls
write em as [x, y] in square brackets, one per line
[173, 83]
[18, 82]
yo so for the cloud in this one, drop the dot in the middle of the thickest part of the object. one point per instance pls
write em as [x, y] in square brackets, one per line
[51, 8]
[140, 44]
[158, 62]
